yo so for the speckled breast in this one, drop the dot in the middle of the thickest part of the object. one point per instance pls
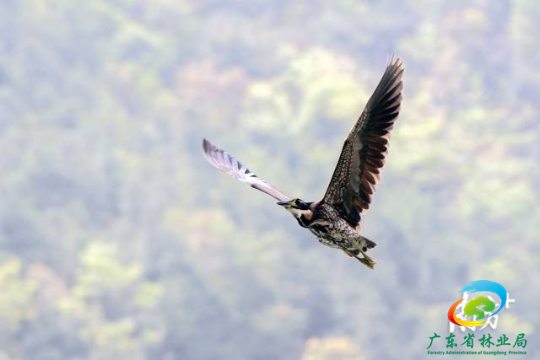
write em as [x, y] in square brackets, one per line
[332, 230]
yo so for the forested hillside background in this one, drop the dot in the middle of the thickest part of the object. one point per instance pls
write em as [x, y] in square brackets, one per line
[118, 241]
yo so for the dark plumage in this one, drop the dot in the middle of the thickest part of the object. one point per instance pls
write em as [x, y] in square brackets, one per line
[335, 219]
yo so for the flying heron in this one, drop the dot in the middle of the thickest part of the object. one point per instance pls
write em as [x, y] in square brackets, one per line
[335, 219]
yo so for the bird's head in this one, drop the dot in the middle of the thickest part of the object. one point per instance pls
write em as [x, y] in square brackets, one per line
[298, 208]
[294, 204]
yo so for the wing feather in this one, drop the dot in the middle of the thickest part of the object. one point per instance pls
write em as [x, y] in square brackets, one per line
[364, 151]
[230, 166]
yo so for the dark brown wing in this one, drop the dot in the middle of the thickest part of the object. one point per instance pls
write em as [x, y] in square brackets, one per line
[229, 165]
[364, 151]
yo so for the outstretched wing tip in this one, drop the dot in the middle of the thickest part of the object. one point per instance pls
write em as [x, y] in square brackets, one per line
[225, 162]
[207, 145]
[395, 61]
[394, 72]
[208, 148]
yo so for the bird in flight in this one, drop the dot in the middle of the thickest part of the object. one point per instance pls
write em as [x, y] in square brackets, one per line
[335, 219]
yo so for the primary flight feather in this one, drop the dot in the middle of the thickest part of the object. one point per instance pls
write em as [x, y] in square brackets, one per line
[335, 219]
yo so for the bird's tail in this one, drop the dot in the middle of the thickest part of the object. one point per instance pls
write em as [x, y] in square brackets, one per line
[369, 244]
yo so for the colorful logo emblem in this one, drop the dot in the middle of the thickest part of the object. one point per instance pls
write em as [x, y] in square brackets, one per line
[473, 307]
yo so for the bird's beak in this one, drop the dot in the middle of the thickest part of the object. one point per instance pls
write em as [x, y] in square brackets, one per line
[283, 203]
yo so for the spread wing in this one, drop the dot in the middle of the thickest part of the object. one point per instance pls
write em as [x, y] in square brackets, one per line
[229, 165]
[362, 157]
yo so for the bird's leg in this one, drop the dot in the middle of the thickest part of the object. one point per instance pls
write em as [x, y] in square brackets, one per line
[369, 262]
[366, 260]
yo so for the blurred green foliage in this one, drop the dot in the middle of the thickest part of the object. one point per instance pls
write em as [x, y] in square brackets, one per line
[117, 240]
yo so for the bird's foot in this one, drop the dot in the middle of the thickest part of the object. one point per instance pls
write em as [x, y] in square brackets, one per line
[369, 262]
[366, 259]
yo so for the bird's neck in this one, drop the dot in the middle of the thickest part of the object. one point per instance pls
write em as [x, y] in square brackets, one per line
[304, 217]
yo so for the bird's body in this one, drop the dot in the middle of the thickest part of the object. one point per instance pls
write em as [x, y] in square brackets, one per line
[335, 219]
[327, 224]
[333, 231]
